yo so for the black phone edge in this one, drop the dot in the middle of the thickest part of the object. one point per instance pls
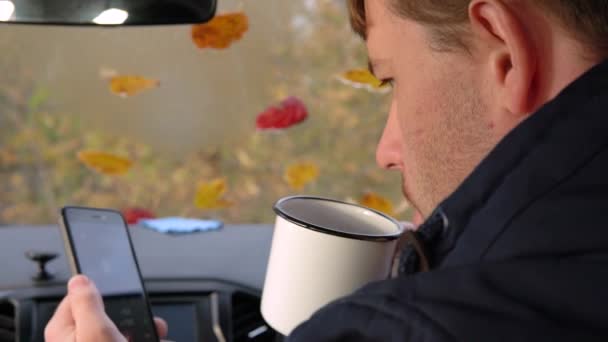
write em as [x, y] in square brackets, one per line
[74, 258]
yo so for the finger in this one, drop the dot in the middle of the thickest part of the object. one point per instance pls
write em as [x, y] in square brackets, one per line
[61, 323]
[161, 327]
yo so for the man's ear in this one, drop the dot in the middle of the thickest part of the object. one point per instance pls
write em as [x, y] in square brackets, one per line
[510, 54]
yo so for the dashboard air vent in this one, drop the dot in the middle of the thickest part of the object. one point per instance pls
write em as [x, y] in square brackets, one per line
[247, 321]
[7, 322]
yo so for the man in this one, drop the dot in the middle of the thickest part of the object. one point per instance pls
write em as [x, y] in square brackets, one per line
[499, 126]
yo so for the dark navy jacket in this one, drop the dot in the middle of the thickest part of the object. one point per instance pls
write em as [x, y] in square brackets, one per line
[519, 252]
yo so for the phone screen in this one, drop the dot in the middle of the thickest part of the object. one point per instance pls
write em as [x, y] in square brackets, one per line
[102, 251]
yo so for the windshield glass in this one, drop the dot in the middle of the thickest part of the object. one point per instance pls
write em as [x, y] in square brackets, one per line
[216, 121]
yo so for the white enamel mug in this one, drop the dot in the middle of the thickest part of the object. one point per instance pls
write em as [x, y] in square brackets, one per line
[322, 250]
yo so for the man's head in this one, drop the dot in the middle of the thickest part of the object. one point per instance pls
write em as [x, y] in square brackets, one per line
[465, 73]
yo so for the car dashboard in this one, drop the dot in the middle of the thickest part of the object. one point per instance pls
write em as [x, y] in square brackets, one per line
[206, 285]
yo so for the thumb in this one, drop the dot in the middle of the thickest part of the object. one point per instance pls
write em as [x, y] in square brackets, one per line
[85, 299]
[92, 323]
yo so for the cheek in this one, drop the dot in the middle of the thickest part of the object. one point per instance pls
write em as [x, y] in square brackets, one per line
[417, 111]
[413, 129]
[418, 95]
[428, 107]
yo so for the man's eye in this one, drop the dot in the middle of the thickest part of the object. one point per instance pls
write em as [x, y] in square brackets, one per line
[387, 82]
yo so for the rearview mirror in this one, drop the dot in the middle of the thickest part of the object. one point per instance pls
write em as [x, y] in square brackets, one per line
[107, 12]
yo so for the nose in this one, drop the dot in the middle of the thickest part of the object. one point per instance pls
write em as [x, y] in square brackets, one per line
[388, 152]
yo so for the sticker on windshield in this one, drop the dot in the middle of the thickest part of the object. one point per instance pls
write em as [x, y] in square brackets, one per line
[221, 31]
[127, 85]
[133, 215]
[300, 174]
[105, 163]
[377, 202]
[209, 195]
[289, 112]
[363, 79]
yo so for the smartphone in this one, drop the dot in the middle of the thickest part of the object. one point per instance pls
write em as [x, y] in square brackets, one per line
[98, 245]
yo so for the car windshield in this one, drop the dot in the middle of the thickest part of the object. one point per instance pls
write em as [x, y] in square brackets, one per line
[270, 99]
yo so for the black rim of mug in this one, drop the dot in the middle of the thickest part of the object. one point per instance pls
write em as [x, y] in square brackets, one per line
[366, 237]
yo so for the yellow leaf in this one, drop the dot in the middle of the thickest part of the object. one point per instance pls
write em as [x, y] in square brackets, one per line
[129, 85]
[377, 202]
[221, 31]
[105, 163]
[362, 78]
[209, 194]
[298, 175]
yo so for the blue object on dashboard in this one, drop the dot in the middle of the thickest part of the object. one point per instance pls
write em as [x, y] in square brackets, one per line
[181, 225]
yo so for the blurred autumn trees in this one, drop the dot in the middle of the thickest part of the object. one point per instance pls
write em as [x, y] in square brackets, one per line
[39, 144]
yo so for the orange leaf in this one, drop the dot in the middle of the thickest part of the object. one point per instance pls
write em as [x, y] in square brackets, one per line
[105, 163]
[377, 202]
[362, 78]
[129, 85]
[298, 175]
[221, 31]
[209, 195]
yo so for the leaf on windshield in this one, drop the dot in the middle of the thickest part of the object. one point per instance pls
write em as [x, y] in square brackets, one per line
[221, 31]
[377, 202]
[105, 163]
[363, 79]
[289, 112]
[209, 195]
[130, 85]
[299, 174]
[133, 215]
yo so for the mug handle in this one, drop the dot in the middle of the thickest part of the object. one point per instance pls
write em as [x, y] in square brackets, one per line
[409, 238]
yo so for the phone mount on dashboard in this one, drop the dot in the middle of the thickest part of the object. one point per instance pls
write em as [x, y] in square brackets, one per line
[41, 258]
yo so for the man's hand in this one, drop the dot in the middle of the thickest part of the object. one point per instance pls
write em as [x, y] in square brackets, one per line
[81, 317]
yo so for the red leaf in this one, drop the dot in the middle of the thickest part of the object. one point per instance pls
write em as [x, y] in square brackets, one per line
[289, 112]
[133, 215]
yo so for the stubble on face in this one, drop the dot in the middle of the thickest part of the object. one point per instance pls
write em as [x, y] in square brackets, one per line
[445, 152]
